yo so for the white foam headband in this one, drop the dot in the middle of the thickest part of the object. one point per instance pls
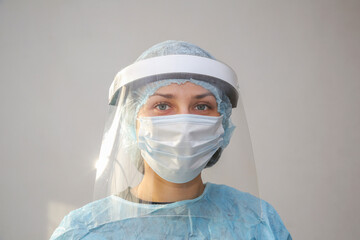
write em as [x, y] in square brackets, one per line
[178, 67]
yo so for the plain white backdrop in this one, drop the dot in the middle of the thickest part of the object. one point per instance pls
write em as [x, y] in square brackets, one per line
[298, 63]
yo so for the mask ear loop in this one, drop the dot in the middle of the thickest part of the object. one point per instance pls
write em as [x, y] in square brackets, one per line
[214, 158]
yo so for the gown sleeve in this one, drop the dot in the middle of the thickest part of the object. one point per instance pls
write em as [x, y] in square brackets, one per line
[274, 223]
[72, 226]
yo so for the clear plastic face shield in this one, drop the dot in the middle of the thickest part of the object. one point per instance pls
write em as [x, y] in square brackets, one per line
[167, 133]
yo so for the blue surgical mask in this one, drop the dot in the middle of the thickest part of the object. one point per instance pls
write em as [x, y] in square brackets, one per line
[178, 147]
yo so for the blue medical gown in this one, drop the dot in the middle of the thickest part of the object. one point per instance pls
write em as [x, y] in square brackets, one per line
[221, 212]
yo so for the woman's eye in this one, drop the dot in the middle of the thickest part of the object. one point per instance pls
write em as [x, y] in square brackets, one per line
[162, 107]
[202, 107]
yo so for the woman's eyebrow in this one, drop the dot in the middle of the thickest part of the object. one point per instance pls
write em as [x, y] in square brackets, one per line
[162, 95]
[203, 95]
[172, 96]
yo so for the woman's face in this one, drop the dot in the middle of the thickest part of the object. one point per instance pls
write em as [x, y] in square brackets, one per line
[187, 98]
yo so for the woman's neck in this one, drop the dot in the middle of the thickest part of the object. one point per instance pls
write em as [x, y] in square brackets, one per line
[155, 189]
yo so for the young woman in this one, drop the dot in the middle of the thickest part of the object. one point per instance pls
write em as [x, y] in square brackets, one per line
[169, 120]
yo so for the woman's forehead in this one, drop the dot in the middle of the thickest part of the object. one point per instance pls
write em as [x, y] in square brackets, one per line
[187, 87]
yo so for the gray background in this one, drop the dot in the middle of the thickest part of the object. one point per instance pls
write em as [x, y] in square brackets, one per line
[298, 63]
